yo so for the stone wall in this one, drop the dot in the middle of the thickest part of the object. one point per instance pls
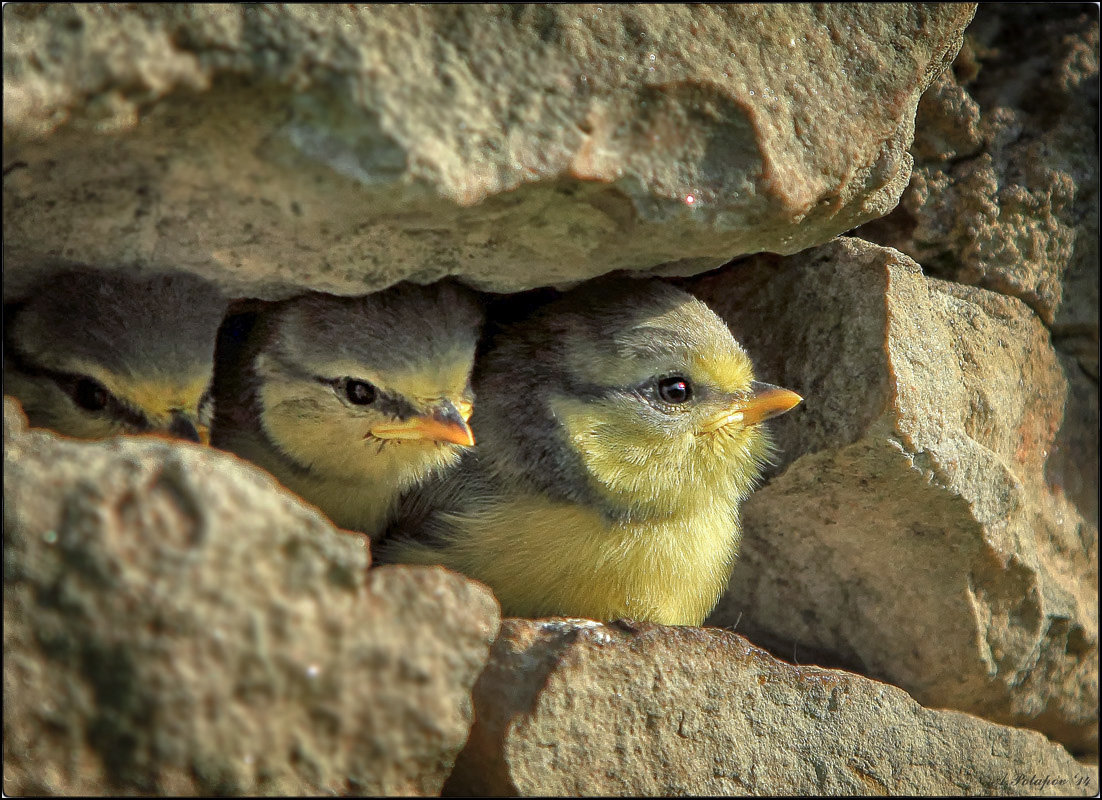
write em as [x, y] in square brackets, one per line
[915, 608]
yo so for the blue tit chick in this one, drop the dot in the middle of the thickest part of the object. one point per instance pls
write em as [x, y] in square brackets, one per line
[93, 354]
[619, 428]
[348, 401]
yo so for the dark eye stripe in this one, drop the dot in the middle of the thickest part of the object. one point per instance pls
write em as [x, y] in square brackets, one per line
[385, 402]
[68, 382]
[648, 390]
[76, 387]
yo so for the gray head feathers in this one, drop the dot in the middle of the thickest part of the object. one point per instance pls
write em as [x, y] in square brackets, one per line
[161, 325]
[375, 329]
[620, 318]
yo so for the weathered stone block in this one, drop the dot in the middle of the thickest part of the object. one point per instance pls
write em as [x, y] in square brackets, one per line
[1005, 193]
[274, 148]
[174, 624]
[909, 532]
[1005, 189]
[575, 708]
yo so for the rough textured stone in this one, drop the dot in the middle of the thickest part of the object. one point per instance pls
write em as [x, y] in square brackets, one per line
[174, 625]
[581, 709]
[1072, 466]
[1005, 190]
[910, 534]
[343, 148]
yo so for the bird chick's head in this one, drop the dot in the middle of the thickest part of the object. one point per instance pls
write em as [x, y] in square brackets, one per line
[372, 388]
[631, 395]
[95, 354]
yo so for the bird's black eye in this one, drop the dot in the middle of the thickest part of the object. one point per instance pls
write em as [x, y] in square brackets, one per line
[675, 389]
[90, 395]
[360, 393]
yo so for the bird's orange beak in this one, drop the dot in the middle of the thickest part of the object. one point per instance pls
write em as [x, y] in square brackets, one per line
[445, 423]
[765, 401]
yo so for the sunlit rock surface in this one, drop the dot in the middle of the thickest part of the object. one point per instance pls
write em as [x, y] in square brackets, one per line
[1005, 194]
[909, 532]
[579, 709]
[273, 148]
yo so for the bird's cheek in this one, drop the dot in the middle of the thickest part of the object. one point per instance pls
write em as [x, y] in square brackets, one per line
[92, 429]
[309, 435]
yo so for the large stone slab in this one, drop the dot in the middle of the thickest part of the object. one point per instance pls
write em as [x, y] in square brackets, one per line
[343, 148]
[175, 625]
[909, 531]
[574, 708]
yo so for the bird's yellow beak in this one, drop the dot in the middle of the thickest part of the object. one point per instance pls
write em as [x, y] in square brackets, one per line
[445, 423]
[765, 401]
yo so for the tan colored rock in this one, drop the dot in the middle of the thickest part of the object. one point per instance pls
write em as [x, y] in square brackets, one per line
[575, 708]
[175, 625]
[910, 534]
[343, 148]
[1072, 466]
[1005, 192]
